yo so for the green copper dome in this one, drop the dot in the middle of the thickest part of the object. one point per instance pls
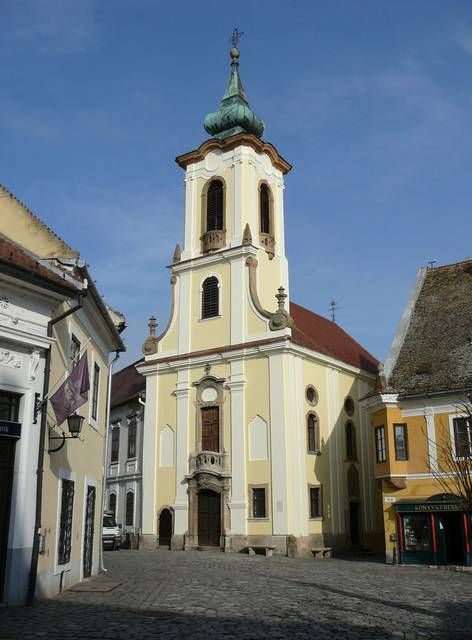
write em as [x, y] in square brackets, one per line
[233, 115]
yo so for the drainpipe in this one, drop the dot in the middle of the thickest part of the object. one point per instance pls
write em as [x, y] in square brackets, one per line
[105, 460]
[42, 437]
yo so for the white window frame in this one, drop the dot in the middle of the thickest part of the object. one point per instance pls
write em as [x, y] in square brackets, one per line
[452, 417]
[64, 474]
[94, 422]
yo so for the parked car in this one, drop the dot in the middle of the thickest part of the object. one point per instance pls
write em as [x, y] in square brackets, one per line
[111, 532]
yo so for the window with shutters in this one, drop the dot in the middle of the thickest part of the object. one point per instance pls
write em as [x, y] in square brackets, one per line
[313, 434]
[210, 298]
[129, 515]
[215, 217]
[65, 523]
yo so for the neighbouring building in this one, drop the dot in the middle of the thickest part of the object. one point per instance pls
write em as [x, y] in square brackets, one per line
[125, 451]
[253, 433]
[421, 430]
[50, 316]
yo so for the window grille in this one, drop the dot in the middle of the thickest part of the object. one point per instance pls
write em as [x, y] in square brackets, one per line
[9, 406]
[65, 525]
[210, 298]
[259, 502]
[215, 206]
[316, 510]
[129, 518]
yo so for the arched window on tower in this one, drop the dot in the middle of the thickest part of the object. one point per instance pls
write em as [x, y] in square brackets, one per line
[266, 232]
[213, 207]
[210, 298]
[313, 433]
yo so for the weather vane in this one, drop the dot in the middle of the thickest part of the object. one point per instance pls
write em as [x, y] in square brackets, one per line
[236, 37]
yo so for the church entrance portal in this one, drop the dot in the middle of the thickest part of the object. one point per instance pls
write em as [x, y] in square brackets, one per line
[165, 527]
[209, 518]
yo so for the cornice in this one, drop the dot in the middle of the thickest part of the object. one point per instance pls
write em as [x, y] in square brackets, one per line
[241, 139]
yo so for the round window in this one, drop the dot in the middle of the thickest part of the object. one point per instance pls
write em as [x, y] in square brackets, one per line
[311, 395]
[349, 406]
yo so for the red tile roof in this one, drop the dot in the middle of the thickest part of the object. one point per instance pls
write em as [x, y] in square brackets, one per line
[320, 334]
[12, 255]
[127, 384]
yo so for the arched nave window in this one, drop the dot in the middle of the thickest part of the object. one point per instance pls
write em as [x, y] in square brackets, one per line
[313, 433]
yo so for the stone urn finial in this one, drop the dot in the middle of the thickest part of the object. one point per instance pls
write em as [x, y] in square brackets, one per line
[280, 319]
[150, 345]
[177, 254]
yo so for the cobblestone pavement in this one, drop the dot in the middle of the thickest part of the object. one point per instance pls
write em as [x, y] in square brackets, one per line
[214, 595]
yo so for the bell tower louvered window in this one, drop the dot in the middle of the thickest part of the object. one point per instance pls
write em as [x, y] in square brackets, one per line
[210, 298]
[215, 206]
[265, 209]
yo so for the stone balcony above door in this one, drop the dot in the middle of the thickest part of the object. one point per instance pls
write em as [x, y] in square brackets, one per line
[213, 462]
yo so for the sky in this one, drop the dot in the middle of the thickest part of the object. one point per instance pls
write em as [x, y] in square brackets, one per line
[370, 100]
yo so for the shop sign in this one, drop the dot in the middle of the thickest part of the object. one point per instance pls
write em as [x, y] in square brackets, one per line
[10, 429]
[428, 507]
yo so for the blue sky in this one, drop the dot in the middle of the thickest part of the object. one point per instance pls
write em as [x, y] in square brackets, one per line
[371, 101]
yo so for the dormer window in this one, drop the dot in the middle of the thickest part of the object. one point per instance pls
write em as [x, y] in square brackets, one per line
[213, 202]
[266, 232]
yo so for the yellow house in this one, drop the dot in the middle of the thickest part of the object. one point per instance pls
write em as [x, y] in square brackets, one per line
[421, 429]
[51, 483]
[253, 434]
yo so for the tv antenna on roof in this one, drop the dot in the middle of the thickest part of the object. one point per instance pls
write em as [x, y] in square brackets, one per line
[236, 37]
[431, 264]
[333, 307]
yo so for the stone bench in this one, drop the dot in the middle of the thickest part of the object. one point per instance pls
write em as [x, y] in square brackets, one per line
[260, 550]
[322, 552]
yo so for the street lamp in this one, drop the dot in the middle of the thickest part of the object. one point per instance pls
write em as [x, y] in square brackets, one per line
[74, 422]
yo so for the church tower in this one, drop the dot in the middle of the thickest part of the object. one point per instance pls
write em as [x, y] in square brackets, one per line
[224, 444]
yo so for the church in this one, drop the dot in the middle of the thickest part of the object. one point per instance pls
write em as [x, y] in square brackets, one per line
[253, 435]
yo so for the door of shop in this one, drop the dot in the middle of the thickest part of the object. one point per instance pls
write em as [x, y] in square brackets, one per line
[7, 460]
[450, 543]
[208, 518]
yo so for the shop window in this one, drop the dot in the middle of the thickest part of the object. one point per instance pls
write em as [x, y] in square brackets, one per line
[401, 441]
[132, 439]
[462, 437]
[351, 453]
[9, 406]
[313, 433]
[210, 298]
[65, 523]
[316, 502]
[115, 444]
[129, 516]
[259, 509]
[417, 532]
[380, 446]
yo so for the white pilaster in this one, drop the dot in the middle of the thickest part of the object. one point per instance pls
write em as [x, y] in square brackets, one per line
[432, 448]
[366, 460]
[279, 218]
[296, 455]
[238, 503]
[238, 300]
[150, 456]
[278, 444]
[190, 249]
[237, 218]
[252, 204]
[185, 306]
[182, 393]
[335, 449]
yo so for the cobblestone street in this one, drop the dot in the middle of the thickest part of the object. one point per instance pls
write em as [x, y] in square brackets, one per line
[215, 595]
